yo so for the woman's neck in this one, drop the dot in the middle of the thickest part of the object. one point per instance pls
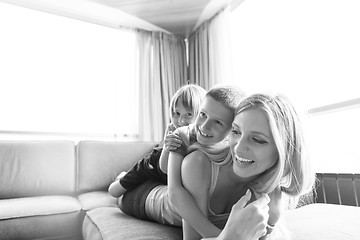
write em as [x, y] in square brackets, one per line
[236, 178]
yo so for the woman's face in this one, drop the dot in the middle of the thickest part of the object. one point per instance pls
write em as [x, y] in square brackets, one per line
[251, 142]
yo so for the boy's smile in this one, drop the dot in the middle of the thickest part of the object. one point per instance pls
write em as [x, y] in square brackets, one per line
[213, 122]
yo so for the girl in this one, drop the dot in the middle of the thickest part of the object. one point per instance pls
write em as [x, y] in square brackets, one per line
[184, 107]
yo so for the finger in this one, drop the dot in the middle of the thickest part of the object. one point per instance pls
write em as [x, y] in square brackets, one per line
[171, 148]
[257, 195]
[243, 200]
[173, 143]
[263, 200]
[173, 136]
[173, 140]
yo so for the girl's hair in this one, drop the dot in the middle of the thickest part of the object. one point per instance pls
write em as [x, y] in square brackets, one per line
[292, 170]
[229, 96]
[190, 96]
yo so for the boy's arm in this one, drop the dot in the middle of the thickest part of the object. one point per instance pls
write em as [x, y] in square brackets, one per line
[197, 177]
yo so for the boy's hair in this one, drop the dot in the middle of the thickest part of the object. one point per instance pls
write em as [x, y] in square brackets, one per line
[190, 96]
[229, 95]
[292, 170]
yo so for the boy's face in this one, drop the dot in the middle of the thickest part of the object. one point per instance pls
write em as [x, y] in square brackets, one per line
[213, 122]
[182, 116]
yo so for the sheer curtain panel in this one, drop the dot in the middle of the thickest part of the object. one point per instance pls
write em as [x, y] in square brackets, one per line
[162, 70]
[209, 52]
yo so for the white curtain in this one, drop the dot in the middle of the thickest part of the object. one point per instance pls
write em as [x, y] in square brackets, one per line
[162, 70]
[209, 52]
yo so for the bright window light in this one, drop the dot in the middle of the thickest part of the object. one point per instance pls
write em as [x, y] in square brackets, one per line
[310, 51]
[64, 75]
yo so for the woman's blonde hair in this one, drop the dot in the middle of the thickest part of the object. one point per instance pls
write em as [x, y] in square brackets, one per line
[292, 170]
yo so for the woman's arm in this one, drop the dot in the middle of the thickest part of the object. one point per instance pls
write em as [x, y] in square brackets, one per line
[193, 204]
[246, 222]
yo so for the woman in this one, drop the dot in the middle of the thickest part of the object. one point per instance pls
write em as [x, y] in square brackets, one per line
[267, 156]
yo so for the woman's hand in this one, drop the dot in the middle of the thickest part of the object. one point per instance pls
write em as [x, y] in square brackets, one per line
[247, 222]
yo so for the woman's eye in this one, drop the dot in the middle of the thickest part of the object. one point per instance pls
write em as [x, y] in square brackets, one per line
[189, 114]
[259, 141]
[202, 114]
[235, 131]
[176, 114]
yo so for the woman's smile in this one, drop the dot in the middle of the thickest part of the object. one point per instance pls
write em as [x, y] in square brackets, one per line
[243, 162]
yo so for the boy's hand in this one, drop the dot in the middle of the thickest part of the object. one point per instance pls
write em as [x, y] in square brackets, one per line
[247, 222]
[172, 142]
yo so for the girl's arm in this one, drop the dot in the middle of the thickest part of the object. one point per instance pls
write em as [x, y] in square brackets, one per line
[163, 161]
[171, 142]
[196, 175]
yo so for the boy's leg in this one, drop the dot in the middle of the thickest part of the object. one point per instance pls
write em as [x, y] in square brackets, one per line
[146, 169]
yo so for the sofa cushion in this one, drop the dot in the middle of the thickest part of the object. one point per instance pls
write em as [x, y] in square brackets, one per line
[91, 200]
[33, 168]
[40, 217]
[111, 223]
[99, 162]
[323, 222]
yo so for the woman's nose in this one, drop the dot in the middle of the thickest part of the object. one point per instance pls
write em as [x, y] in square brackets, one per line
[241, 146]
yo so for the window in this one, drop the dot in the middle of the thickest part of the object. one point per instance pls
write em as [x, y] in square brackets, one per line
[308, 50]
[61, 76]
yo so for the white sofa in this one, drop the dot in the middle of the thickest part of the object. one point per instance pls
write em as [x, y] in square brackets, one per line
[58, 190]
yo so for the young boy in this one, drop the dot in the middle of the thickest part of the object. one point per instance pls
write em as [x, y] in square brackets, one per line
[184, 107]
[209, 135]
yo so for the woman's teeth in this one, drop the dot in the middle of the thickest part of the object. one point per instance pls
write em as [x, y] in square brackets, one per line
[244, 161]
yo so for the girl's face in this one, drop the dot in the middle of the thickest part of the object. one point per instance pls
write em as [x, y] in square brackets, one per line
[251, 143]
[213, 122]
[182, 116]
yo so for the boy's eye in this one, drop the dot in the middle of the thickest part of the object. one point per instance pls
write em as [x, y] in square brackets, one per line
[219, 123]
[189, 114]
[176, 113]
[202, 114]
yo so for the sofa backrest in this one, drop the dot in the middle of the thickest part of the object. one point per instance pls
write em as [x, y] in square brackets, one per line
[33, 168]
[100, 162]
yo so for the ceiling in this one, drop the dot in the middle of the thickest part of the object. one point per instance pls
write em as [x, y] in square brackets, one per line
[180, 17]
